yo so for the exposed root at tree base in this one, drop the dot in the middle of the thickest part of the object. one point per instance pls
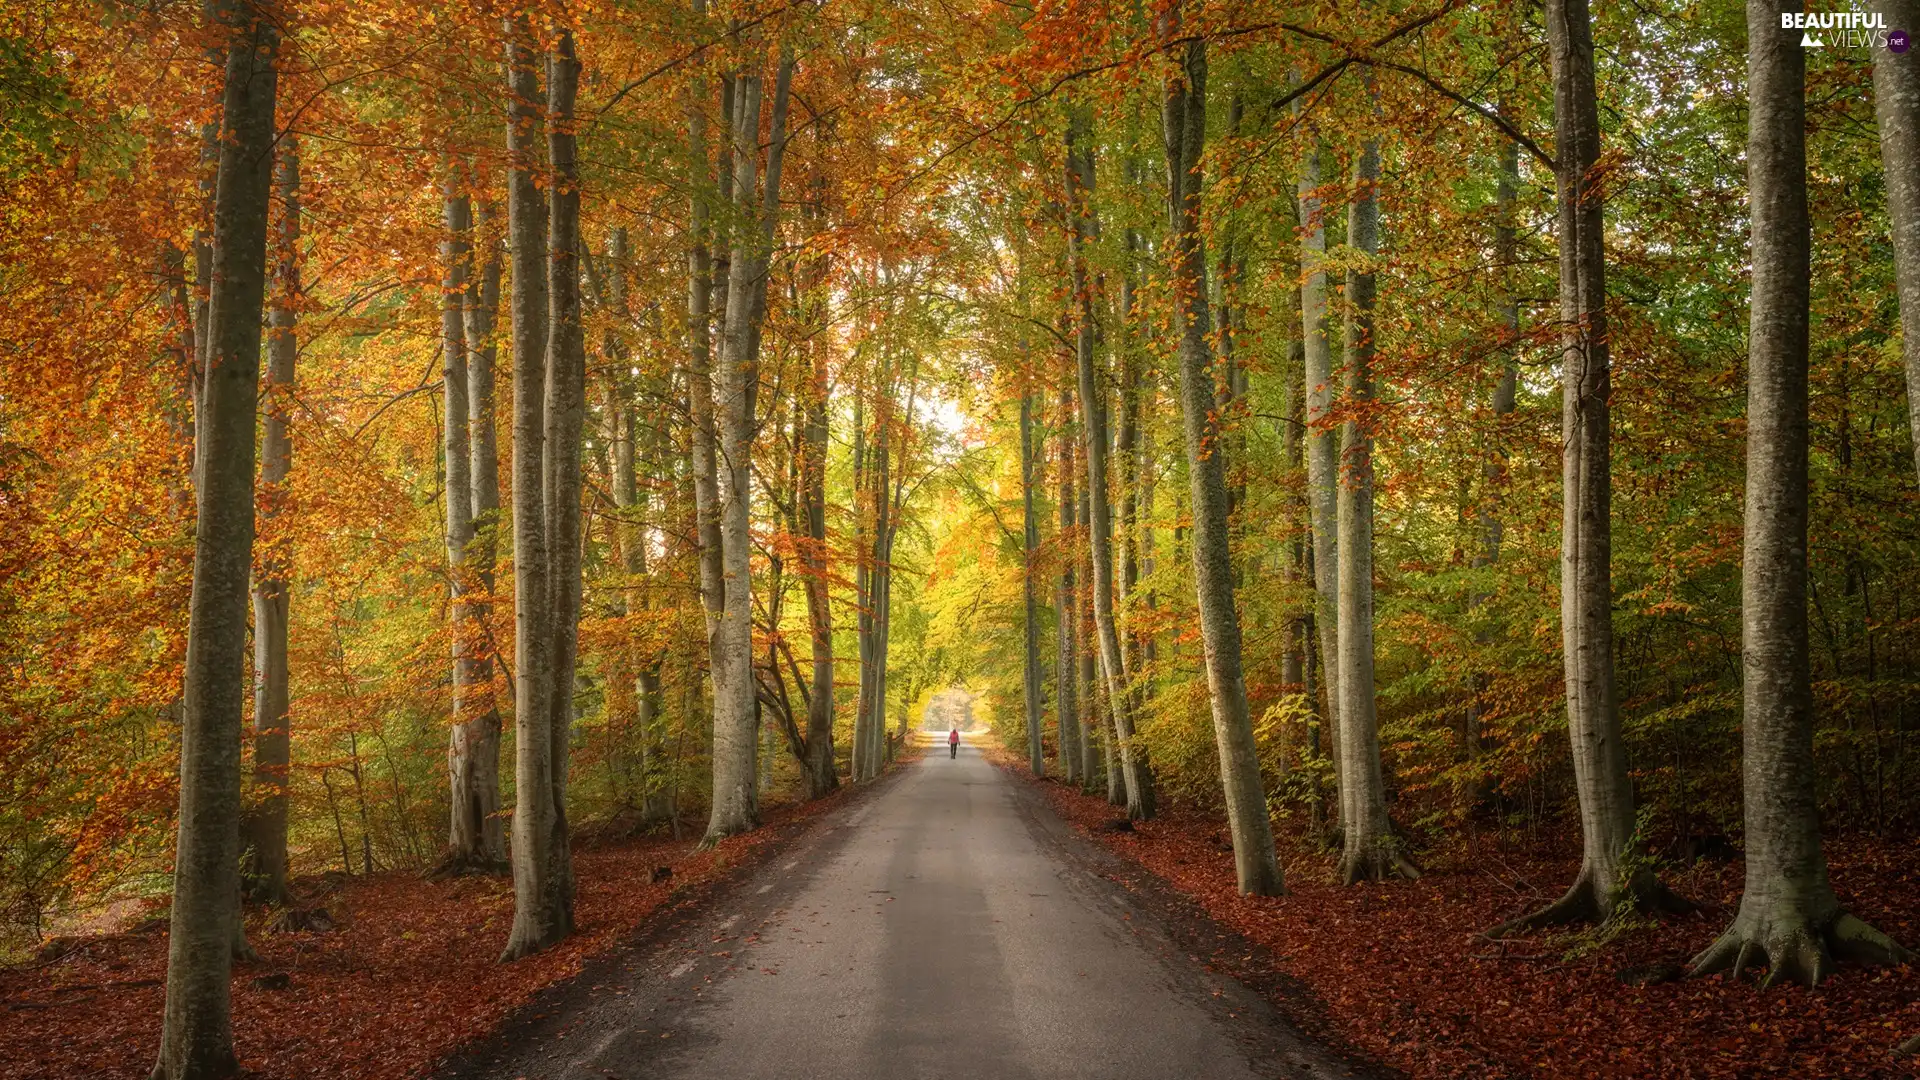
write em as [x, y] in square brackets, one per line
[451, 866]
[1376, 862]
[1795, 948]
[1583, 903]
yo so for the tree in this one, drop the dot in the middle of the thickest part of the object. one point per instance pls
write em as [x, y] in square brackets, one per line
[1586, 568]
[1031, 678]
[1789, 918]
[736, 715]
[1321, 454]
[1066, 616]
[542, 913]
[1896, 107]
[1185, 113]
[1083, 230]
[475, 837]
[196, 1037]
[1369, 849]
[267, 826]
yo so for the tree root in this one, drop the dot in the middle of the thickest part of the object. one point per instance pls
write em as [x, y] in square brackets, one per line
[1583, 903]
[1908, 1048]
[1376, 861]
[451, 865]
[1794, 948]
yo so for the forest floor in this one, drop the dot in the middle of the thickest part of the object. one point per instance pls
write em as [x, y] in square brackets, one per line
[1399, 972]
[409, 973]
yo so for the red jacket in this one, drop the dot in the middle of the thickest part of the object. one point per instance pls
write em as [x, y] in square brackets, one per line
[953, 737]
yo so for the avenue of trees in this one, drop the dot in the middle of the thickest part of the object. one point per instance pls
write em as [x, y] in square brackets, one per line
[433, 434]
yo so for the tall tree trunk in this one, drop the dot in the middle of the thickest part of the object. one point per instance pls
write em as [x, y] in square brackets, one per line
[1093, 423]
[1030, 673]
[822, 776]
[267, 825]
[1322, 455]
[457, 452]
[476, 836]
[1369, 851]
[1128, 448]
[540, 917]
[703, 286]
[1065, 668]
[565, 405]
[1789, 918]
[1093, 718]
[1255, 864]
[1896, 108]
[736, 714]
[1586, 577]
[196, 1038]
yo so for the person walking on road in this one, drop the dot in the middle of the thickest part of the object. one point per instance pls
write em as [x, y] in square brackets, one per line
[953, 742]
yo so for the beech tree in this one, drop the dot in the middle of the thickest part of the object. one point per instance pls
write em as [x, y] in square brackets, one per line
[1896, 108]
[1605, 791]
[1789, 918]
[542, 909]
[1370, 851]
[267, 842]
[1185, 125]
[196, 1036]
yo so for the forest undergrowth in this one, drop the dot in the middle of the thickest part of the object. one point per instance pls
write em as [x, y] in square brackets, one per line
[406, 973]
[1403, 976]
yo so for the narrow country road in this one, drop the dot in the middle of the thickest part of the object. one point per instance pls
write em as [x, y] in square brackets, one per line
[946, 927]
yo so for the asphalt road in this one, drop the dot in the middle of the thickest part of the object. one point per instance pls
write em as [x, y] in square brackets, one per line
[947, 926]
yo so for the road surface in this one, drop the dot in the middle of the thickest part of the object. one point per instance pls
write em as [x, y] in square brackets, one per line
[946, 926]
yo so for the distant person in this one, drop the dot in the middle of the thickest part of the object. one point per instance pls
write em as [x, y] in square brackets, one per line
[953, 742]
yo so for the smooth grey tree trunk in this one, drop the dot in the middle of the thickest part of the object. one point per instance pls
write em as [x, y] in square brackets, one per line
[1369, 851]
[822, 774]
[196, 1037]
[1030, 673]
[1789, 918]
[1065, 667]
[1586, 580]
[736, 715]
[476, 835]
[1093, 425]
[540, 915]
[1322, 455]
[1128, 449]
[1586, 583]
[1184, 130]
[565, 419]
[1092, 717]
[1896, 109]
[267, 824]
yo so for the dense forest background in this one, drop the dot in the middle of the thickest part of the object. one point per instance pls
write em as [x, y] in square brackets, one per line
[940, 427]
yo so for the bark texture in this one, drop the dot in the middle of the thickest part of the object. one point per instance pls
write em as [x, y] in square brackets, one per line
[1184, 131]
[1093, 423]
[1321, 453]
[196, 1038]
[1066, 617]
[1030, 674]
[539, 917]
[1896, 109]
[476, 832]
[736, 805]
[1789, 919]
[1370, 851]
[267, 823]
[1586, 575]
